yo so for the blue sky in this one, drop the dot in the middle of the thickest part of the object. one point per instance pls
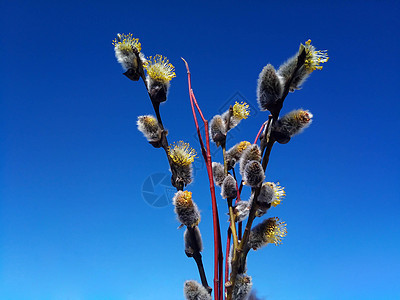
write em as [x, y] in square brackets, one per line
[73, 221]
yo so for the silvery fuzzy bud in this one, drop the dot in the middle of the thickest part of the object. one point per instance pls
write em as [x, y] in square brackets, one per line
[291, 124]
[186, 210]
[228, 187]
[193, 242]
[253, 174]
[263, 200]
[184, 173]
[286, 70]
[270, 231]
[241, 211]
[195, 291]
[218, 173]
[266, 194]
[233, 121]
[252, 152]
[217, 130]
[242, 289]
[269, 88]
[148, 125]
[234, 153]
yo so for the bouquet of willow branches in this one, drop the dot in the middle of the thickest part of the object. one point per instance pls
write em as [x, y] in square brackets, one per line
[250, 158]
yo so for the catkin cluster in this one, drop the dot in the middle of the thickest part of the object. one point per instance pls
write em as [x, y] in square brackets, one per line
[272, 87]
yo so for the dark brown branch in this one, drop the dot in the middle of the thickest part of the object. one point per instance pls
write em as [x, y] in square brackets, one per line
[178, 185]
[268, 145]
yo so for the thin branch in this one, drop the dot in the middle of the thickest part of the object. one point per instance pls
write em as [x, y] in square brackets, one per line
[218, 256]
[269, 143]
[259, 132]
[164, 144]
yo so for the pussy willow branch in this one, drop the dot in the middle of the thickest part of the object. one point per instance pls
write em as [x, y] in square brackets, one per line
[238, 255]
[164, 144]
[269, 142]
[229, 201]
[218, 256]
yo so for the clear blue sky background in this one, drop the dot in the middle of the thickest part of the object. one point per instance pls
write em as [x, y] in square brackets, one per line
[74, 223]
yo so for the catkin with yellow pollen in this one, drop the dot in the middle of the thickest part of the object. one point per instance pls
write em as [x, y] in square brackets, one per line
[148, 125]
[270, 231]
[159, 74]
[234, 153]
[186, 210]
[313, 60]
[182, 157]
[240, 111]
[127, 51]
[279, 193]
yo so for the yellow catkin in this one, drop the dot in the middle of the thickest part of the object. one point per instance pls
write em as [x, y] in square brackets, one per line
[126, 43]
[182, 154]
[314, 57]
[159, 68]
[241, 110]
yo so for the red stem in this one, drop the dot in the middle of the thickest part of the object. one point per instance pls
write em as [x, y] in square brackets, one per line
[259, 132]
[218, 256]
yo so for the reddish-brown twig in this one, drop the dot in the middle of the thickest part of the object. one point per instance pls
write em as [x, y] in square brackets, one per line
[218, 256]
[259, 132]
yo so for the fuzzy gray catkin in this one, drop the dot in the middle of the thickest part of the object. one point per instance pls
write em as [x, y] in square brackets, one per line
[252, 152]
[242, 289]
[228, 187]
[269, 88]
[241, 211]
[253, 174]
[148, 125]
[184, 173]
[218, 173]
[266, 194]
[217, 130]
[286, 70]
[186, 210]
[270, 231]
[127, 59]
[195, 291]
[264, 199]
[257, 238]
[193, 245]
[158, 90]
[235, 152]
[127, 51]
[291, 124]
[233, 121]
